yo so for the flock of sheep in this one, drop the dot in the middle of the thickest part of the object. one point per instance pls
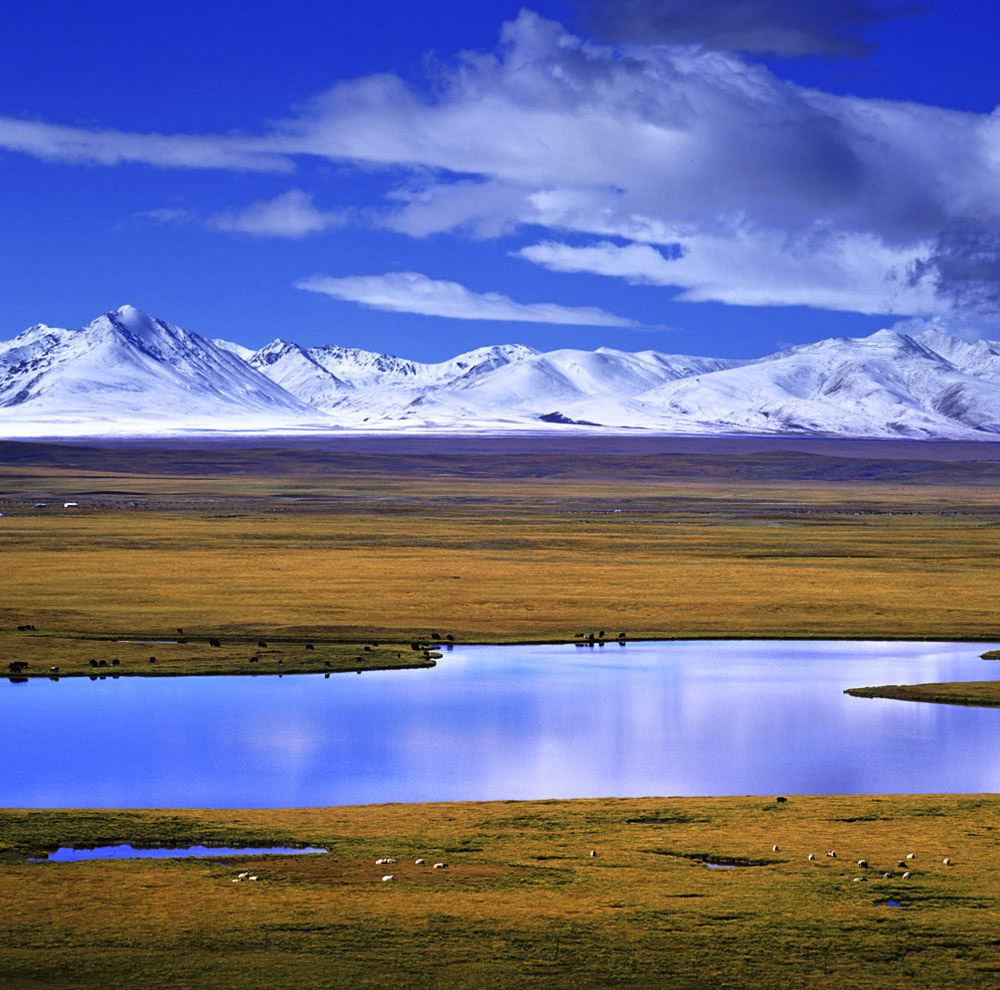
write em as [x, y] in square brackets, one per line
[863, 863]
[387, 861]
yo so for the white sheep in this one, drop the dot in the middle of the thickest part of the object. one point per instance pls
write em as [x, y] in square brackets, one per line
[863, 864]
[388, 876]
[775, 848]
[946, 861]
[418, 862]
[440, 866]
[907, 875]
[810, 857]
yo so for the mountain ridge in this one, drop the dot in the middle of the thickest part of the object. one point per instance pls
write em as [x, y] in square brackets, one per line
[130, 373]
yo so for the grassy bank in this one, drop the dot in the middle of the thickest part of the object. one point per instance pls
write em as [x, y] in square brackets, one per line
[522, 902]
[976, 693]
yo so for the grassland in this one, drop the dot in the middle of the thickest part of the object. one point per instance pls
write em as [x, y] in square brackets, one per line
[351, 547]
[347, 545]
[522, 902]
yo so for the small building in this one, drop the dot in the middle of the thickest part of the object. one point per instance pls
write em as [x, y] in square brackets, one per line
[71, 505]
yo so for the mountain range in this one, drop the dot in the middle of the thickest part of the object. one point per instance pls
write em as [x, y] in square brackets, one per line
[127, 373]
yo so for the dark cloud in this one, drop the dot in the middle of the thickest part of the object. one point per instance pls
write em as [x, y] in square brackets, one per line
[964, 267]
[789, 28]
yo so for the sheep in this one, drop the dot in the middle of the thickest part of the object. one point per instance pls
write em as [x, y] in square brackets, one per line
[388, 876]
[593, 852]
[907, 875]
[384, 861]
[946, 861]
[440, 866]
[901, 865]
[810, 857]
[418, 862]
[832, 854]
[775, 848]
[214, 642]
[886, 876]
[911, 855]
[863, 864]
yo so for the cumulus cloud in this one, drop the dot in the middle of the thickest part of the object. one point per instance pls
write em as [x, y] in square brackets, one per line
[666, 146]
[411, 292]
[292, 214]
[55, 142]
[772, 27]
[700, 156]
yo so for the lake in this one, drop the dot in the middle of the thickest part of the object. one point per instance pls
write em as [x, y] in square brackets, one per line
[682, 718]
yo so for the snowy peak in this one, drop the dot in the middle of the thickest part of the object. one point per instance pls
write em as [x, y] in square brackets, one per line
[127, 367]
[298, 372]
[365, 369]
[130, 372]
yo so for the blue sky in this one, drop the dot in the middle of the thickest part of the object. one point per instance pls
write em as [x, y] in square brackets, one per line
[701, 177]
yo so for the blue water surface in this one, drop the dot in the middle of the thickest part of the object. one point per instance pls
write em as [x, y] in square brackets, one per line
[685, 718]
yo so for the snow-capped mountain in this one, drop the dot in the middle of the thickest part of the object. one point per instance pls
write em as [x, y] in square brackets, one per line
[127, 372]
[888, 384]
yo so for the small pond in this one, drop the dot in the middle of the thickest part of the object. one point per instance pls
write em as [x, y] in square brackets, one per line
[67, 854]
[685, 718]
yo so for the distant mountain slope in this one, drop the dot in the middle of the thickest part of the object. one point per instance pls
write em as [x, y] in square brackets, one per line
[127, 372]
[126, 369]
[888, 384]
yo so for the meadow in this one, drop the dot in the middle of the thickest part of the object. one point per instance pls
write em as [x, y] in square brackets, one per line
[342, 545]
[522, 902]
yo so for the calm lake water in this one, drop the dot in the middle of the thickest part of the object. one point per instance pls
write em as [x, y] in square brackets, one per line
[694, 718]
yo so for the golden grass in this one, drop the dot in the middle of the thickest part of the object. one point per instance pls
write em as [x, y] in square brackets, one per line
[522, 902]
[534, 568]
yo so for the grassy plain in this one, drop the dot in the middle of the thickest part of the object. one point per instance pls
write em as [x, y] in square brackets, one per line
[496, 545]
[350, 544]
[522, 903]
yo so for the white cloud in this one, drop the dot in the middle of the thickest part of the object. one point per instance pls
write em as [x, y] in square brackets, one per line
[109, 147]
[773, 193]
[747, 267]
[411, 292]
[292, 215]
[166, 214]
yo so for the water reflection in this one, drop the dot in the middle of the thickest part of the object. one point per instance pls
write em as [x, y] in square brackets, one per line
[67, 854]
[511, 722]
